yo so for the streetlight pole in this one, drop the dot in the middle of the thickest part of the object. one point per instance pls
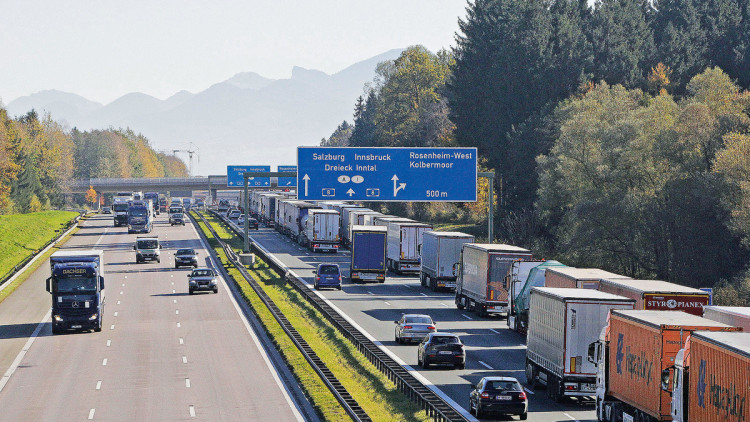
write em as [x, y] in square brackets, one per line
[246, 209]
[490, 176]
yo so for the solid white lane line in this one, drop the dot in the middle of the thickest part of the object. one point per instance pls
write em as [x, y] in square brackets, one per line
[192, 411]
[99, 385]
[495, 331]
[571, 418]
[109, 343]
[187, 382]
[22, 353]
[91, 413]
[184, 359]
[182, 341]
[485, 365]
[104, 362]
[528, 391]
[178, 325]
[387, 303]
[115, 313]
[466, 316]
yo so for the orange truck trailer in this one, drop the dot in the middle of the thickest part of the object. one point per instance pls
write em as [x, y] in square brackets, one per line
[657, 295]
[711, 378]
[577, 278]
[634, 349]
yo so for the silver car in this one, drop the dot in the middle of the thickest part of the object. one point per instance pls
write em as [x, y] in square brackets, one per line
[203, 279]
[413, 327]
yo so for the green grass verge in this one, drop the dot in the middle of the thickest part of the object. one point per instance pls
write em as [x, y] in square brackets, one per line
[26, 274]
[21, 235]
[373, 391]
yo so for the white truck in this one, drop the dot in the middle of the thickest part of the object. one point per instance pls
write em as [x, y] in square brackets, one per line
[268, 208]
[344, 230]
[404, 243]
[322, 230]
[562, 324]
[736, 316]
[357, 218]
[440, 254]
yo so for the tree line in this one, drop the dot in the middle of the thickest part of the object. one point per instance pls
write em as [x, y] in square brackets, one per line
[619, 132]
[38, 156]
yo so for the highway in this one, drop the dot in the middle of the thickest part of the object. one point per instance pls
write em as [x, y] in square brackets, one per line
[162, 355]
[492, 349]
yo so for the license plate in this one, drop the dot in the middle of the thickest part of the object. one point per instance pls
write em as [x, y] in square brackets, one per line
[75, 326]
[504, 397]
[588, 386]
[368, 276]
[444, 352]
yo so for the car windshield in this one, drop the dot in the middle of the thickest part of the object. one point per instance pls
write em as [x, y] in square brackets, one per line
[185, 252]
[148, 244]
[76, 285]
[177, 215]
[328, 270]
[203, 273]
[503, 386]
[175, 210]
[138, 212]
[418, 320]
[444, 340]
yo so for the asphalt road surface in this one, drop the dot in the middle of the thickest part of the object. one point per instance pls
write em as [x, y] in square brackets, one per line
[492, 349]
[162, 355]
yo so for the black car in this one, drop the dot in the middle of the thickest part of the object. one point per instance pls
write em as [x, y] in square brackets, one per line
[177, 218]
[106, 210]
[252, 223]
[498, 395]
[439, 348]
[186, 257]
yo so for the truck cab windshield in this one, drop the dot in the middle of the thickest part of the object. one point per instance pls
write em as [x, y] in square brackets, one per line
[138, 212]
[76, 285]
[120, 207]
[148, 244]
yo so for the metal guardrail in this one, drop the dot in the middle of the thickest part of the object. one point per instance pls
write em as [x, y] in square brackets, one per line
[437, 408]
[352, 408]
[28, 259]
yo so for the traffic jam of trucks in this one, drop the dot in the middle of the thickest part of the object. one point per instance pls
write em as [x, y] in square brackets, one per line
[636, 350]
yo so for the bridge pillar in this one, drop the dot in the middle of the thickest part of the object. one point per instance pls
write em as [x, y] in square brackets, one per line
[213, 193]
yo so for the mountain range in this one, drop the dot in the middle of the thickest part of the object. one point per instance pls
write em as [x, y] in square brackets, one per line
[245, 120]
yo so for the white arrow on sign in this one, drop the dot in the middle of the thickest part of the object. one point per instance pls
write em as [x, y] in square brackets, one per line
[350, 192]
[306, 178]
[401, 186]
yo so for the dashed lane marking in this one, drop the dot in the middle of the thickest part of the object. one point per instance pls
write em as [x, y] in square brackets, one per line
[571, 418]
[176, 311]
[112, 327]
[192, 411]
[182, 341]
[104, 362]
[495, 331]
[444, 305]
[109, 343]
[184, 359]
[485, 365]
[387, 303]
[423, 294]
[99, 385]
[528, 391]
[187, 382]
[178, 325]
[91, 413]
[118, 302]
[466, 316]
[115, 314]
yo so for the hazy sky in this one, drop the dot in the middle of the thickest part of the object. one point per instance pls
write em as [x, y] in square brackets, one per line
[104, 49]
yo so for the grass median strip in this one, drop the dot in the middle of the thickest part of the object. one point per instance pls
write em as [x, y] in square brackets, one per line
[373, 391]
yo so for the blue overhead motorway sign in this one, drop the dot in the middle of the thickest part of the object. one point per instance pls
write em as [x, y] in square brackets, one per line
[287, 182]
[387, 174]
[235, 178]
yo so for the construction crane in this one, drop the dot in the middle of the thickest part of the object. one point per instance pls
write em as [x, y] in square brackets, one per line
[190, 151]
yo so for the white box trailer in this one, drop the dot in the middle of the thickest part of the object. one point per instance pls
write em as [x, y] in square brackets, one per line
[562, 324]
[268, 208]
[385, 219]
[297, 215]
[404, 243]
[330, 205]
[357, 218]
[736, 316]
[344, 229]
[282, 210]
[322, 230]
[441, 252]
[370, 218]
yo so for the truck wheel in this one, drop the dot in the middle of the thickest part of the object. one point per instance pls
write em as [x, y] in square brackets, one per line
[422, 280]
[530, 375]
[459, 302]
[432, 284]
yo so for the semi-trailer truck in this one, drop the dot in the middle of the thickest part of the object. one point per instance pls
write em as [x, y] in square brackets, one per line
[368, 253]
[514, 282]
[268, 208]
[710, 378]
[120, 212]
[483, 268]
[404, 243]
[578, 278]
[657, 295]
[77, 287]
[140, 216]
[632, 352]
[154, 198]
[562, 324]
[344, 229]
[322, 230]
[736, 316]
[440, 253]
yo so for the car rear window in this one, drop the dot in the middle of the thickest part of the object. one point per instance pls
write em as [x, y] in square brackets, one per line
[445, 340]
[328, 270]
[185, 252]
[418, 320]
[503, 386]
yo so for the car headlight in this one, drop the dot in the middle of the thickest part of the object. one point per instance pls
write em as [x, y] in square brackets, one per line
[58, 318]
[213, 281]
[93, 317]
[192, 282]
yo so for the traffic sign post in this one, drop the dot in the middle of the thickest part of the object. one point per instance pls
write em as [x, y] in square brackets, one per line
[235, 176]
[287, 182]
[387, 174]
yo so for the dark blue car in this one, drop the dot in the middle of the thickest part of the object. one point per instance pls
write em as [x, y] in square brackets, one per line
[328, 275]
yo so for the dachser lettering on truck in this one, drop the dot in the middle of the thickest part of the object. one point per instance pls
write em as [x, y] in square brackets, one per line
[74, 271]
[727, 400]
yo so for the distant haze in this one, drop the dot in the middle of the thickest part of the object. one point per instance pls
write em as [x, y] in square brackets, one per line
[244, 120]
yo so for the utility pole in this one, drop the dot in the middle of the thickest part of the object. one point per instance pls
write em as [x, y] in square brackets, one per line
[246, 210]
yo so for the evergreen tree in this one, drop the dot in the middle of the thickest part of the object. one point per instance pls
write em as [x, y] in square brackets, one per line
[363, 134]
